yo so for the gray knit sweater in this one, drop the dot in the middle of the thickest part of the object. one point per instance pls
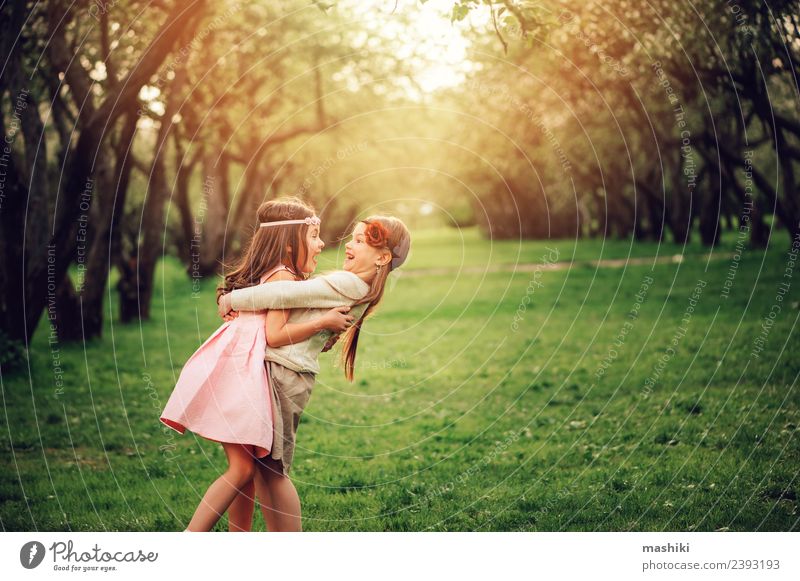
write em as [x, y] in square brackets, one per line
[307, 299]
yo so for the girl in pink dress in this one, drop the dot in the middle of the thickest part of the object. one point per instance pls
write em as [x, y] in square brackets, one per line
[379, 245]
[223, 393]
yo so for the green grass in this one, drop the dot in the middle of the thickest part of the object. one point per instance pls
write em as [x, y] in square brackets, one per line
[459, 419]
[465, 247]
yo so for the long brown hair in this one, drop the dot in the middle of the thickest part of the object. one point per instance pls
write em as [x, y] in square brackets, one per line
[397, 240]
[272, 246]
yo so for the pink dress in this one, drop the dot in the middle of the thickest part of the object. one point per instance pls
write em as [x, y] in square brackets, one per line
[223, 393]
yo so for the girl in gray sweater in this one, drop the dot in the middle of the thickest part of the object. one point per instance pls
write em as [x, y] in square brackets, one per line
[378, 245]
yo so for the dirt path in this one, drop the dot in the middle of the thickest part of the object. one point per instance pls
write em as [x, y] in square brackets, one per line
[564, 265]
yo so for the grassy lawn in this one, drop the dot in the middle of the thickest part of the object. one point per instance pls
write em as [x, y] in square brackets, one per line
[456, 248]
[496, 402]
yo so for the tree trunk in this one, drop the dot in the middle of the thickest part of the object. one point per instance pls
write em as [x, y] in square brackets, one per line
[48, 261]
[75, 320]
[787, 188]
[153, 236]
[253, 195]
[212, 213]
[710, 205]
[105, 246]
[681, 202]
[185, 169]
[25, 210]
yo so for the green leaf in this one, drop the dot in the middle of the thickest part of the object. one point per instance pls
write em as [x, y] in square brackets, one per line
[460, 12]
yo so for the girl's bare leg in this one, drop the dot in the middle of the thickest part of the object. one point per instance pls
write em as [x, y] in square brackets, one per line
[223, 490]
[240, 513]
[264, 496]
[283, 512]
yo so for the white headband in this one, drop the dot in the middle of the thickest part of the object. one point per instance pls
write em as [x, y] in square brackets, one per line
[310, 220]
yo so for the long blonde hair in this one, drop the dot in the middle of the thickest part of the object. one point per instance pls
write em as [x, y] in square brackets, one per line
[397, 240]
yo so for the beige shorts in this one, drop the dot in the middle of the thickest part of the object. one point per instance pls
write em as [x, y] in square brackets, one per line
[290, 394]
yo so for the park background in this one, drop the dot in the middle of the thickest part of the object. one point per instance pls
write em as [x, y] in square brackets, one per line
[595, 329]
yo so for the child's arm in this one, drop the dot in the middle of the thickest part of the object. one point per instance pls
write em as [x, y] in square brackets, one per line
[280, 332]
[334, 290]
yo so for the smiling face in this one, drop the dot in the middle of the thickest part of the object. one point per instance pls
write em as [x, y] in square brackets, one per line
[313, 246]
[360, 258]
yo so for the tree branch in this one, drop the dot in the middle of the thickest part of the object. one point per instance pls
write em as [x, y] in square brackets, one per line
[184, 16]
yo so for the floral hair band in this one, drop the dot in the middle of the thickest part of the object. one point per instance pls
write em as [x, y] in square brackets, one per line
[309, 220]
[376, 234]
